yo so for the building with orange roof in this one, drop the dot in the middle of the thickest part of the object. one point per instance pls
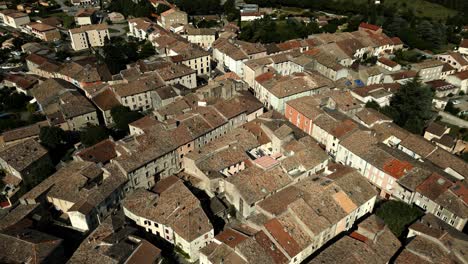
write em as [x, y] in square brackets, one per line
[436, 193]
[89, 36]
[388, 64]
[86, 16]
[43, 31]
[324, 117]
[370, 27]
[463, 48]
[298, 220]
[374, 246]
[101, 152]
[459, 79]
[276, 91]
[174, 214]
[172, 17]
[251, 16]
[454, 59]
[142, 27]
[13, 18]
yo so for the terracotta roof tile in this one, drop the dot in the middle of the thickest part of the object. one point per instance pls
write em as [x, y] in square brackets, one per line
[277, 230]
[369, 26]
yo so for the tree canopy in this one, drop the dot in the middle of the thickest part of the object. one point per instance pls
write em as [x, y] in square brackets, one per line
[118, 53]
[398, 215]
[230, 10]
[129, 8]
[161, 8]
[93, 134]
[146, 50]
[411, 106]
[267, 30]
[199, 7]
[52, 137]
[123, 116]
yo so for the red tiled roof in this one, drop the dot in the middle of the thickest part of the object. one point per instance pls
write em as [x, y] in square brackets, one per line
[404, 75]
[397, 168]
[312, 52]
[177, 58]
[264, 241]
[462, 75]
[369, 26]
[461, 190]
[447, 68]
[276, 229]
[252, 14]
[231, 237]
[289, 45]
[102, 152]
[397, 41]
[228, 75]
[266, 162]
[434, 186]
[343, 128]
[388, 62]
[168, 12]
[358, 236]
[464, 44]
[164, 184]
[36, 59]
[106, 100]
[264, 77]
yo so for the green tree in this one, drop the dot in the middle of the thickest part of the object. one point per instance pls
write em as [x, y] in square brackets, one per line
[330, 28]
[373, 104]
[130, 8]
[411, 106]
[123, 116]
[230, 10]
[2, 175]
[32, 108]
[93, 134]
[161, 8]
[14, 101]
[398, 215]
[42, 170]
[118, 53]
[62, 55]
[450, 108]
[147, 50]
[464, 156]
[52, 137]
[68, 21]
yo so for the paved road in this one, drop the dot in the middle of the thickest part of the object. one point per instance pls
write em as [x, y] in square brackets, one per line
[454, 120]
[120, 27]
[70, 10]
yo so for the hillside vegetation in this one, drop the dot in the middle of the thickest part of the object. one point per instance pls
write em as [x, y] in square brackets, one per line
[420, 8]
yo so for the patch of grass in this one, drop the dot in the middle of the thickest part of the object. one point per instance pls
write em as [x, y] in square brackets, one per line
[68, 21]
[398, 215]
[113, 30]
[421, 8]
[181, 252]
